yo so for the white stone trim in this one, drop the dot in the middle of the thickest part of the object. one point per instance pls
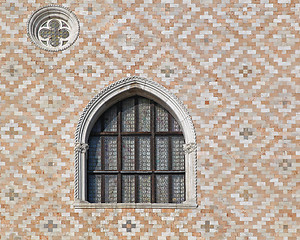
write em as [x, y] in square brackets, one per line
[116, 92]
[84, 204]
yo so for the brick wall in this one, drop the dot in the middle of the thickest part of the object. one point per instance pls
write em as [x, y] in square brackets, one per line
[234, 65]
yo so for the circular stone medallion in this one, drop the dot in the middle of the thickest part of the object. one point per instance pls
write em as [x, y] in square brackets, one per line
[53, 28]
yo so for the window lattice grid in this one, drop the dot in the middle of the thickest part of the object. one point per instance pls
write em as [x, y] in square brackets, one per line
[137, 151]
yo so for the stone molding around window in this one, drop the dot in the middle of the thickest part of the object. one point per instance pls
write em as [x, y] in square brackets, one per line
[109, 96]
[53, 28]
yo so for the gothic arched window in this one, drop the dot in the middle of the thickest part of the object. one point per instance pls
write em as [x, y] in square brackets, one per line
[136, 155]
[135, 147]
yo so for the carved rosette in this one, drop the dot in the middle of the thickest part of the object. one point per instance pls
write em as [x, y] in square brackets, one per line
[53, 28]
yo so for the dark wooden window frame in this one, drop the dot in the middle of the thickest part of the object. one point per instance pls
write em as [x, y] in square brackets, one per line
[152, 134]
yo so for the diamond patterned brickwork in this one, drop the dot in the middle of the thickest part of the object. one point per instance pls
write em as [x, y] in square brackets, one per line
[235, 66]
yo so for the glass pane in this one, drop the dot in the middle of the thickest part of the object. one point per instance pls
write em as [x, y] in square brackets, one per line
[177, 153]
[128, 116]
[110, 153]
[128, 189]
[97, 126]
[175, 127]
[94, 160]
[162, 153]
[144, 153]
[110, 120]
[161, 119]
[178, 188]
[94, 188]
[144, 115]
[162, 189]
[144, 192]
[128, 150]
[110, 188]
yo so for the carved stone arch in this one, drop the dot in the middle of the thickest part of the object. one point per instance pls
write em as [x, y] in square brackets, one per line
[116, 92]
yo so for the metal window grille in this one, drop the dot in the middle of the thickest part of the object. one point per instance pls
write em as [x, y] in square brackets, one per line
[136, 155]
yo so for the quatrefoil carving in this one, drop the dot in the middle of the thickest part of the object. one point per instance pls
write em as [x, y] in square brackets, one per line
[54, 32]
[53, 28]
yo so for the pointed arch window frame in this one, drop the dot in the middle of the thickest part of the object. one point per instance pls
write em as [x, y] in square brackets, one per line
[106, 98]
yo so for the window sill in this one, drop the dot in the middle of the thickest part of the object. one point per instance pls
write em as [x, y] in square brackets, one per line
[85, 205]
